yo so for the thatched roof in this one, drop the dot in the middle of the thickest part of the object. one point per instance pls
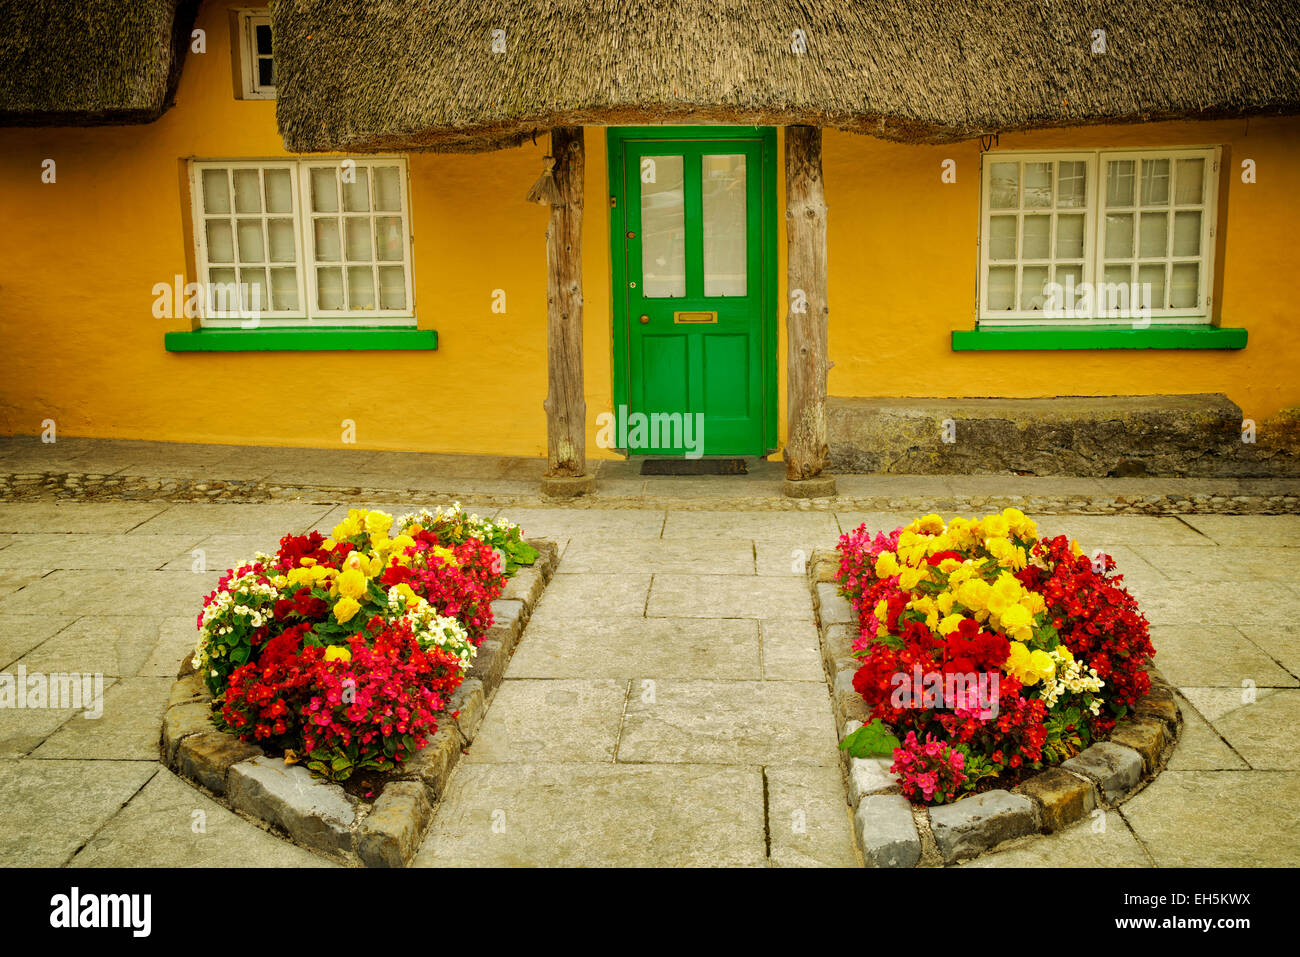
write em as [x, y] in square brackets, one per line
[374, 74]
[75, 62]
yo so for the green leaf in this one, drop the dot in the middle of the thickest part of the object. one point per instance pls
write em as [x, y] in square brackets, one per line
[872, 740]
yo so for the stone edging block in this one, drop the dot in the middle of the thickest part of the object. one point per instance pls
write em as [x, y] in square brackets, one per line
[1104, 774]
[887, 831]
[321, 815]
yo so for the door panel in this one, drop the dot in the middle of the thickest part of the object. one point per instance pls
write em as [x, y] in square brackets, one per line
[693, 307]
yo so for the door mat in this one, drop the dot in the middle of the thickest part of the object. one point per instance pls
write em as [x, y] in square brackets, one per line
[694, 467]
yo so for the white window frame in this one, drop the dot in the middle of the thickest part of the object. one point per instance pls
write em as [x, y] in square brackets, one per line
[1094, 233]
[249, 20]
[304, 246]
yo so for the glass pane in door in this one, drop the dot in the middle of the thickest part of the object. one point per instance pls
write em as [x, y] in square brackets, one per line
[663, 228]
[722, 193]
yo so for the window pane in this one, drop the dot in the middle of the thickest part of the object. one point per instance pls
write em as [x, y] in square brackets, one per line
[1190, 182]
[358, 239]
[1071, 184]
[1187, 234]
[282, 243]
[361, 287]
[1038, 185]
[223, 293]
[279, 191]
[329, 288]
[1002, 287]
[221, 241]
[1155, 182]
[324, 191]
[1183, 287]
[663, 228]
[252, 290]
[1069, 237]
[388, 238]
[388, 189]
[1069, 273]
[265, 72]
[1118, 275]
[1037, 239]
[1153, 235]
[1119, 183]
[250, 241]
[1004, 186]
[1002, 237]
[248, 186]
[1032, 281]
[392, 287]
[356, 193]
[284, 289]
[216, 191]
[1153, 275]
[262, 32]
[1119, 236]
[722, 183]
[327, 240]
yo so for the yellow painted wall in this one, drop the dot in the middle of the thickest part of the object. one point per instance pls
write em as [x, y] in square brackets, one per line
[79, 258]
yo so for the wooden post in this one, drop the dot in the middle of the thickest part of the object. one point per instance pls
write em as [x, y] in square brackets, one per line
[566, 404]
[806, 322]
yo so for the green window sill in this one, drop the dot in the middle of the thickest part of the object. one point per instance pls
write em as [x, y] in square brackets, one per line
[300, 339]
[1025, 338]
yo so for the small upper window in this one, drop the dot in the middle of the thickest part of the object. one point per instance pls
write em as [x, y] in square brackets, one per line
[256, 64]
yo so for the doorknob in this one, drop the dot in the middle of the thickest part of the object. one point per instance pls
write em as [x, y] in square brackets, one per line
[645, 320]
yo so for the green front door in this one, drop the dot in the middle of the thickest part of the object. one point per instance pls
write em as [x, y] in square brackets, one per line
[692, 216]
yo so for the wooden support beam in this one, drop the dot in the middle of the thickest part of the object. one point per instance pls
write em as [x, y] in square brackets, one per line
[806, 322]
[566, 404]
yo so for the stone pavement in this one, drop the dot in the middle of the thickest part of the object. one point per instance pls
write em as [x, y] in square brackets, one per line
[666, 705]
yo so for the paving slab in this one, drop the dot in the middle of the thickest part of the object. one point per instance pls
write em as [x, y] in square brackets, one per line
[1215, 656]
[799, 529]
[202, 519]
[1218, 818]
[48, 809]
[565, 523]
[1092, 531]
[1200, 747]
[791, 650]
[809, 822]
[1248, 565]
[19, 634]
[728, 722]
[551, 721]
[598, 815]
[99, 592]
[630, 647]
[690, 556]
[586, 595]
[726, 596]
[103, 644]
[1264, 733]
[1280, 642]
[126, 731]
[84, 550]
[1249, 530]
[99, 518]
[1266, 604]
[169, 823]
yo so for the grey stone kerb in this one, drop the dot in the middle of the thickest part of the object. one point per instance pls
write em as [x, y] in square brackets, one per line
[320, 815]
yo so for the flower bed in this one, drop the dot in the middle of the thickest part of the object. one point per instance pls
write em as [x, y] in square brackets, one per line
[340, 652]
[985, 650]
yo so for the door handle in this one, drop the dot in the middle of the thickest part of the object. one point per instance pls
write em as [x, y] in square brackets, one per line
[645, 320]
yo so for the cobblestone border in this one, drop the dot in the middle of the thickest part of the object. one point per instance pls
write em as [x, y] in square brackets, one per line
[320, 815]
[1237, 497]
[892, 833]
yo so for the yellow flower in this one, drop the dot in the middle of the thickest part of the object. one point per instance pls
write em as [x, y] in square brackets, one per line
[1042, 665]
[951, 624]
[408, 594]
[974, 594]
[944, 602]
[1028, 667]
[1017, 622]
[350, 527]
[1022, 527]
[339, 652]
[345, 608]
[995, 526]
[306, 561]
[931, 524]
[378, 523]
[881, 610]
[328, 544]
[949, 565]
[351, 584]
[1075, 549]
[910, 577]
[886, 564]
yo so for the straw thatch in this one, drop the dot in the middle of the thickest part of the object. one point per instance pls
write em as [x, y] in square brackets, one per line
[374, 74]
[79, 62]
